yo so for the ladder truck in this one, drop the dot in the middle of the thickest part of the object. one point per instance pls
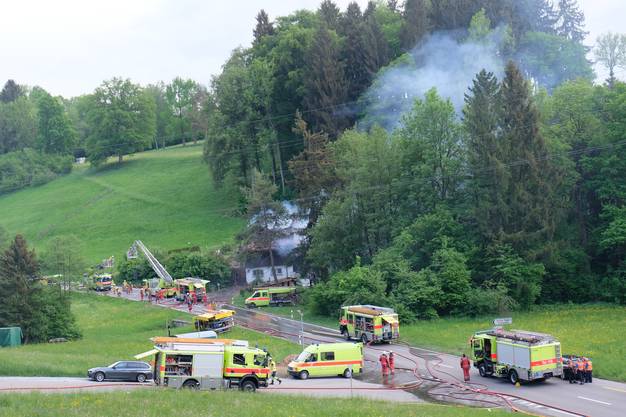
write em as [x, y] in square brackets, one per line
[164, 282]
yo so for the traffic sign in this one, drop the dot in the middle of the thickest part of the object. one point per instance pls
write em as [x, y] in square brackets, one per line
[503, 321]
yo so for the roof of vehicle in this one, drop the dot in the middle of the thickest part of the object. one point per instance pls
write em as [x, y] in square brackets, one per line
[370, 310]
[276, 290]
[214, 315]
[333, 346]
[522, 335]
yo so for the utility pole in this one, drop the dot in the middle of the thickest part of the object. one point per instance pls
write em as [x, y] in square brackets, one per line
[301, 336]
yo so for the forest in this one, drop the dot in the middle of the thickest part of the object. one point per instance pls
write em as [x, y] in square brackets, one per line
[452, 157]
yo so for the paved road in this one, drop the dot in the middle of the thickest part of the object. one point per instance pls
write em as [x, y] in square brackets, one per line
[63, 384]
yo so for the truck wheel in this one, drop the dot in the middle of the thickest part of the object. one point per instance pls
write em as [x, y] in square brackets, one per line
[364, 338]
[303, 375]
[248, 386]
[191, 384]
[347, 373]
[513, 377]
[99, 377]
[482, 370]
[141, 378]
[251, 305]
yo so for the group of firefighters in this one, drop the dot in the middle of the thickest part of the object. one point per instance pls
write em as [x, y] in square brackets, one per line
[387, 363]
[581, 369]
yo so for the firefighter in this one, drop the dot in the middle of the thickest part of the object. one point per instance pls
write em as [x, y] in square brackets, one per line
[465, 365]
[572, 370]
[189, 303]
[141, 293]
[205, 300]
[589, 371]
[272, 365]
[392, 363]
[384, 364]
[194, 297]
[580, 371]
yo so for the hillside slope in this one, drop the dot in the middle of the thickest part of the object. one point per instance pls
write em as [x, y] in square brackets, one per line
[164, 198]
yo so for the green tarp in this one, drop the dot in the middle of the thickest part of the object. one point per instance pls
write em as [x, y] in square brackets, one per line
[10, 336]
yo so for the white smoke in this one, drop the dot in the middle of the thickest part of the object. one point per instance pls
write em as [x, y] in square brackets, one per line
[440, 61]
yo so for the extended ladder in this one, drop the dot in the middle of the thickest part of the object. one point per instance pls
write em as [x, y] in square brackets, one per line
[152, 260]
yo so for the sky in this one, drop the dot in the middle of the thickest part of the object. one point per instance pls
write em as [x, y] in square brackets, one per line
[69, 47]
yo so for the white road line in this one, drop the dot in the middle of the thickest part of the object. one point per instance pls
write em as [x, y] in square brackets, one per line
[595, 401]
[563, 412]
[445, 366]
[613, 389]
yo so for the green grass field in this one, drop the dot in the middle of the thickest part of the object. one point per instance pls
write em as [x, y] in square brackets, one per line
[166, 403]
[165, 198]
[113, 329]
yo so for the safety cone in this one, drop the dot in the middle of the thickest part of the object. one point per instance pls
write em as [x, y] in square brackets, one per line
[517, 385]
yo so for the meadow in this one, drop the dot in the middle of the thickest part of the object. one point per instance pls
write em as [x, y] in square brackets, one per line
[113, 329]
[166, 403]
[165, 198]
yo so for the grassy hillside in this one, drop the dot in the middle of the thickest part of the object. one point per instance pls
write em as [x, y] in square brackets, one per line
[164, 198]
[113, 329]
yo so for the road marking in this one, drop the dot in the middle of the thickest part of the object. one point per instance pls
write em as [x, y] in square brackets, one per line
[445, 366]
[595, 401]
[614, 389]
[563, 412]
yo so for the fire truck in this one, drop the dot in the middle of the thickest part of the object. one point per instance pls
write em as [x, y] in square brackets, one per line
[369, 323]
[208, 364]
[518, 355]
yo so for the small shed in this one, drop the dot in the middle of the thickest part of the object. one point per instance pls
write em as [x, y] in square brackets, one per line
[10, 336]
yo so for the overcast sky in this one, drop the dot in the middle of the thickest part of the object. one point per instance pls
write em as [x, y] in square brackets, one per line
[69, 46]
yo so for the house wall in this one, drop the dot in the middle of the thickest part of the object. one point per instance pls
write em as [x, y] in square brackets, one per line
[285, 272]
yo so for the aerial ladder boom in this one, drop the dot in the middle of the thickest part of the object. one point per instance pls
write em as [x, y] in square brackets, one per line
[152, 260]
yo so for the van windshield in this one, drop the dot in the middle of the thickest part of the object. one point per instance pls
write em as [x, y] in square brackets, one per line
[303, 356]
[256, 294]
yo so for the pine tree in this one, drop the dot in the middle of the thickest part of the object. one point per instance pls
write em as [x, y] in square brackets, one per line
[10, 92]
[485, 156]
[531, 211]
[329, 14]
[18, 272]
[571, 21]
[355, 53]
[326, 86]
[369, 10]
[263, 27]
[416, 23]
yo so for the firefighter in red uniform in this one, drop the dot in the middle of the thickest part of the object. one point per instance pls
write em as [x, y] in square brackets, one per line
[384, 364]
[465, 365]
[194, 297]
[392, 363]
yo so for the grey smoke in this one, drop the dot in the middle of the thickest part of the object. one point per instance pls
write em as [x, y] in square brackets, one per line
[442, 62]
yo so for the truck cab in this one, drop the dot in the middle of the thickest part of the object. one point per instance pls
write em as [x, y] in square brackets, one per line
[483, 353]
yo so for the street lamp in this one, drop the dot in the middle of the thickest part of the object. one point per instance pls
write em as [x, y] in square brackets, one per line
[301, 336]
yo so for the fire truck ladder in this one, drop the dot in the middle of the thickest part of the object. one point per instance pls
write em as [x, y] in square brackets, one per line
[152, 260]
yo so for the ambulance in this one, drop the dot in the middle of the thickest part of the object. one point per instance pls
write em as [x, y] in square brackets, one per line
[329, 359]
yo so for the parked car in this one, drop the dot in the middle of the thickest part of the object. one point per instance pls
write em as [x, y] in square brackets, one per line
[122, 370]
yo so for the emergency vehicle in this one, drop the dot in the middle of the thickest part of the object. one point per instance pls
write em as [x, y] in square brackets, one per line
[103, 282]
[272, 296]
[208, 364]
[517, 355]
[329, 359]
[218, 321]
[190, 286]
[369, 323]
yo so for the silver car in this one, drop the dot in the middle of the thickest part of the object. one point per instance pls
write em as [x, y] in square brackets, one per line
[122, 371]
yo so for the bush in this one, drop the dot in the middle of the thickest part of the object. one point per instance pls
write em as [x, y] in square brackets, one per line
[27, 168]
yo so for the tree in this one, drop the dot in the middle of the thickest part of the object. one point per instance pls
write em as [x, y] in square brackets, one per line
[266, 217]
[180, 94]
[41, 312]
[165, 120]
[11, 92]
[416, 23]
[329, 14]
[358, 71]
[18, 125]
[571, 21]
[486, 154]
[326, 86]
[63, 257]
[610, 51]
[263, 27]
[480, 27]
[450, 268]
[55, 133]
[121, 118]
